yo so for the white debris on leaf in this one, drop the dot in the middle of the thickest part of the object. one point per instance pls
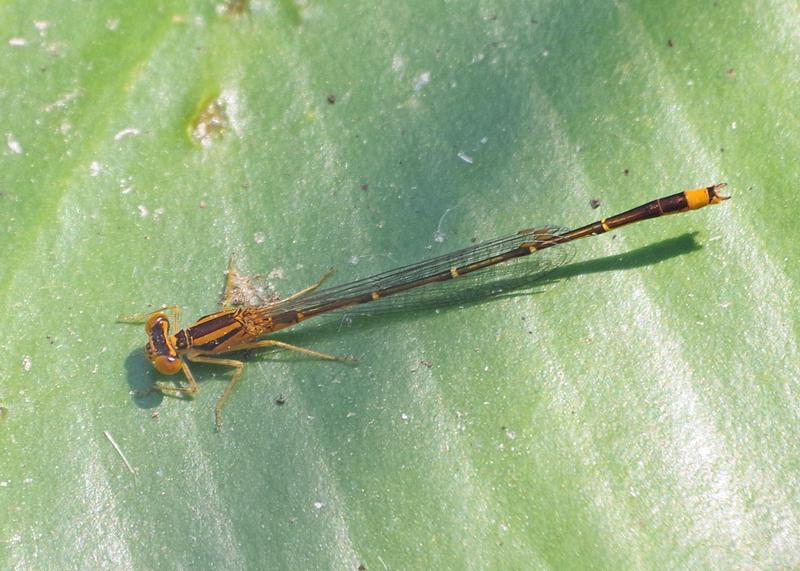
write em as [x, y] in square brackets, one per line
[422, 80]
[129, 132]
[13, 144]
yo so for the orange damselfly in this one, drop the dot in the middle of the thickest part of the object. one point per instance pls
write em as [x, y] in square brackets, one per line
[427, 282]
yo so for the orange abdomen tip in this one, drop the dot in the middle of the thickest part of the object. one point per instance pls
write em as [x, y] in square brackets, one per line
[700, 197]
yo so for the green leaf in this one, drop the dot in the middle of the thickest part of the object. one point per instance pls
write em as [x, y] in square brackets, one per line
[638, 410]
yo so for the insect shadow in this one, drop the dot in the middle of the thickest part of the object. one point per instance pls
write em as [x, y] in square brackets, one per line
[518, 286]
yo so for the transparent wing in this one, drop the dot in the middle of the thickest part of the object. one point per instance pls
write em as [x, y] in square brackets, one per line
[495, 280]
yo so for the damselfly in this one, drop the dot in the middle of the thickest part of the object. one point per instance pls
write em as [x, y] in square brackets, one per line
[428, 282]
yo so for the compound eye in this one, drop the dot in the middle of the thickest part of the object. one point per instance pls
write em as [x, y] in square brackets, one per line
[167, 364]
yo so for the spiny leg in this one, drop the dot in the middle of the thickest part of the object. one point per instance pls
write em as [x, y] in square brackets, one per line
[190, 390]
[238, 365]
[290, 347]
[310, 288]
[175, 327]
[231, 276]
[143, 317]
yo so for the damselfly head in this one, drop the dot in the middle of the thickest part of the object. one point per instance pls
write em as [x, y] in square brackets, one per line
[160, 347]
